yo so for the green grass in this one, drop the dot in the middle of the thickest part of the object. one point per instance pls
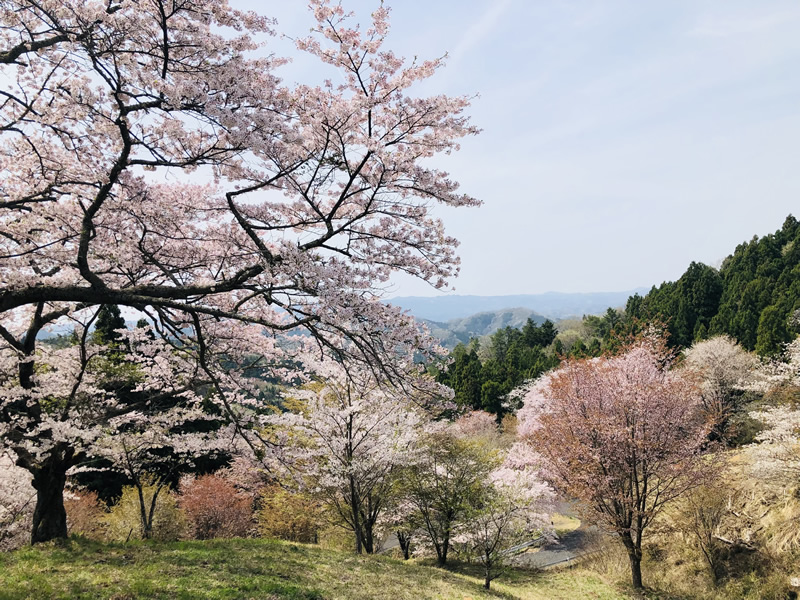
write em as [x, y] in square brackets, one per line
[263, 569]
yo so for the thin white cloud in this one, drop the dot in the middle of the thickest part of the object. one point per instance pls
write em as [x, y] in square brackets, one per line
[720, 28]
[480, 29]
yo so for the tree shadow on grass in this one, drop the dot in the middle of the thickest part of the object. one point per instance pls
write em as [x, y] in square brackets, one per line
[469, 571]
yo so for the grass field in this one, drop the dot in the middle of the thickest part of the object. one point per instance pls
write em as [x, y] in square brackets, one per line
[263, 569]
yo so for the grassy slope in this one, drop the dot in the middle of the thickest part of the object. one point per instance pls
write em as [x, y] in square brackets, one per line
[264, 569]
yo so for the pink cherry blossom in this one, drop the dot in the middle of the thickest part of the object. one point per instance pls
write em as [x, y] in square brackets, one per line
[152, 159]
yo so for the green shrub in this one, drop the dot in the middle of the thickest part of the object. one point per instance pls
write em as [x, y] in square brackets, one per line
[288, 516]
[123, 520]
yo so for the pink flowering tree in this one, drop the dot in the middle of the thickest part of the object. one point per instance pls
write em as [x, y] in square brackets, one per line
[152, 160]
[624, 434]
[350, 439]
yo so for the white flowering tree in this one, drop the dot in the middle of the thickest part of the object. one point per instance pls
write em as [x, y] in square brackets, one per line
[349, 440]
[17, 499]
[151, 159]
[725, 370]
[776, 455]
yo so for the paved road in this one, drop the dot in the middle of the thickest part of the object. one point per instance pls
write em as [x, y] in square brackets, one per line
[568, 547]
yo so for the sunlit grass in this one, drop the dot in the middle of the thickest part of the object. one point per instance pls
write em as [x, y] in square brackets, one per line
[564, 524]
[263, 569]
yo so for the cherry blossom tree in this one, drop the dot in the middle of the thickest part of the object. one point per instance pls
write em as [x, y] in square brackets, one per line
[624, 434]
[151, 159]
[477, 424]
[351, 438]
[515, 508]
[16, 503]
[776, 455]
[151, 449]
[785, 372]
[725, 370]
[401, 520]
[446, 483]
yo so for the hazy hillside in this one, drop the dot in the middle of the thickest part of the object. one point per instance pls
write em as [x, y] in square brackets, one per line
[552, 305]
[478, 325]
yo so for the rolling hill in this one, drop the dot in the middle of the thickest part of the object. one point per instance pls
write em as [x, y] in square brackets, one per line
[551, 305]
[481, 324]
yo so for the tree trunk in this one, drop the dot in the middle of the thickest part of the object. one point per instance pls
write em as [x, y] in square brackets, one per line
[635, 558]
[146, 528]
[488, 564]
[355, 511]
[367, 539]
[636, 571]
[49, 516]
[405, 544]
[441, 558]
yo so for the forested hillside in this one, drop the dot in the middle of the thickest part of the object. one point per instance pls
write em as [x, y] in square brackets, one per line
[754, 296]
[479, 325]
[482, 378]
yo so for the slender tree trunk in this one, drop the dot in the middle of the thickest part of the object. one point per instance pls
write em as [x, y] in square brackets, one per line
[635, 558]
[441, 558]
[369, 541]
[146, 530]
[354, 509]
[151, 515]
[49, 516]
[405, 543]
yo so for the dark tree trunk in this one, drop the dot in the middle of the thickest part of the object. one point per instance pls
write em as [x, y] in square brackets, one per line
[441, 558]
[49, 516]
[488, 564]
[367, 539]
[636, 571]
[147, 530]
[635, 558]
[355, 511]
[405, 544]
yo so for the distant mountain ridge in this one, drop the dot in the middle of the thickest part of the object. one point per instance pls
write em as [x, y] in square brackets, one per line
[481, 324]
[551, 305]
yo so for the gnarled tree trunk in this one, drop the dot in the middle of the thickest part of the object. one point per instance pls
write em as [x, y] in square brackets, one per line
[49, 516]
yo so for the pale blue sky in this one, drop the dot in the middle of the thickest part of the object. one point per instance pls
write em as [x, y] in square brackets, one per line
[622, 139]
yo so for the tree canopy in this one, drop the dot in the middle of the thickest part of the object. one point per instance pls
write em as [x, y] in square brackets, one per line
[152, 159]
